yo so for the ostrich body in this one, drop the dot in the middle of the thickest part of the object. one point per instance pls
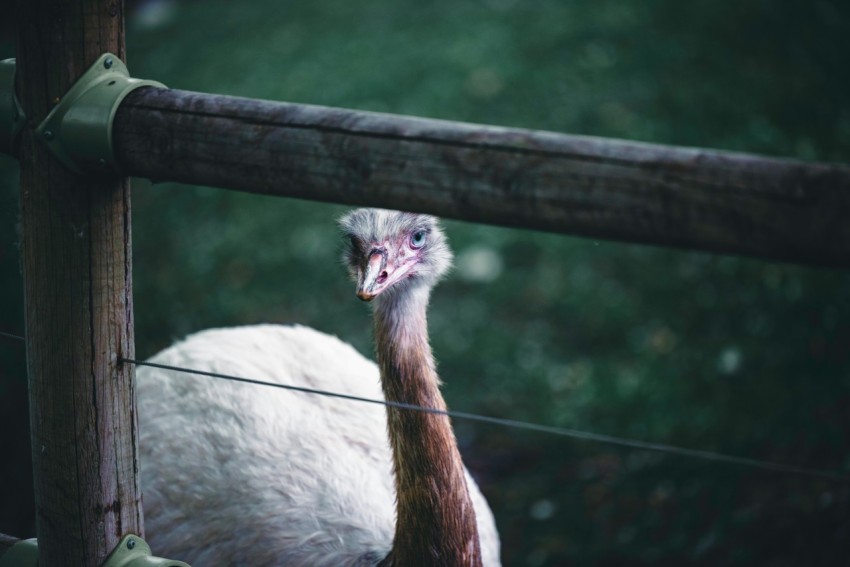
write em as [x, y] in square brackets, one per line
[234, 474]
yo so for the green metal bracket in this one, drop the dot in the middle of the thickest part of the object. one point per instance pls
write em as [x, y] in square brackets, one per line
[11, 114]
[23, 554]
[132, 551]
[79, 129]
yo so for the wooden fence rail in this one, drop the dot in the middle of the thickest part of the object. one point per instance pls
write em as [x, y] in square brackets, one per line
[635, 192]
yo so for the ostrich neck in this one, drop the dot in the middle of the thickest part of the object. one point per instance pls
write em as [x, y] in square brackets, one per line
[435, 519]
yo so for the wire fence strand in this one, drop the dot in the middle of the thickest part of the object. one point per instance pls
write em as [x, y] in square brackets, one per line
[11, 336]
[516, 424]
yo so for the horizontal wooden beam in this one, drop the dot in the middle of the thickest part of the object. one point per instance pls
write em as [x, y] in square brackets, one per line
[609, 189]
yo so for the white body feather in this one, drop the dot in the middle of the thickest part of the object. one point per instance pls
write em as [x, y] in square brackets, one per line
[239, 474]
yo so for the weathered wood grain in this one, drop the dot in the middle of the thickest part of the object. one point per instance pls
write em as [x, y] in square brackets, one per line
[688, 198]
[75, 254]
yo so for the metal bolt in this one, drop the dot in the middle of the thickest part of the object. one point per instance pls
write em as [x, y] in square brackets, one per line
[48, 135]
[108, 63]
[101, 162]
[131, 543]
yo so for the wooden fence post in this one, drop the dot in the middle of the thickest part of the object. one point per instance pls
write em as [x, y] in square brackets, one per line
[76, 261]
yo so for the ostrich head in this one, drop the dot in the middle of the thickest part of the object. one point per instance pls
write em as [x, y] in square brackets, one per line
[392, 251]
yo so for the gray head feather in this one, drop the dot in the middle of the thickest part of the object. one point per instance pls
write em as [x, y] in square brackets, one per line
[371, 230]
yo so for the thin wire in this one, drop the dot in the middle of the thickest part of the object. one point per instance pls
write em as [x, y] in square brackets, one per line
[516, 424]
[11, 336]
[561, 431]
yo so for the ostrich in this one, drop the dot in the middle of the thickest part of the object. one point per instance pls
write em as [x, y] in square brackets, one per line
[234, 474]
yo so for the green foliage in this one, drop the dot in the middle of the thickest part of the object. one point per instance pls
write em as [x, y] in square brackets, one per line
[728, 354]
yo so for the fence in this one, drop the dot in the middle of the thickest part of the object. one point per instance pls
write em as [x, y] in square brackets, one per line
[76, 233]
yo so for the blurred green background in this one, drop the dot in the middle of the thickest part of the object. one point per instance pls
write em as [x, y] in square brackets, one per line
[720, 353]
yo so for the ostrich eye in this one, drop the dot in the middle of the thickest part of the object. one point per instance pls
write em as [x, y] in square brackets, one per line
[353, 250]
[417, 239]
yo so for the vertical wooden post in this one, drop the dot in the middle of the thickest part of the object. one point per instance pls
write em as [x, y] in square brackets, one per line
[76, 259]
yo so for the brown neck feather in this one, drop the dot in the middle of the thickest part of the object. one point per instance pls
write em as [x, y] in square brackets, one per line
[435, 520]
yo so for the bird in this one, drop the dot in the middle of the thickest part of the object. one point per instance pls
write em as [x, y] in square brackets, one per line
[243, 474]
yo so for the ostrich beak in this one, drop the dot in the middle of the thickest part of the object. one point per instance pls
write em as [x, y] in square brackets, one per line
[374, 277]
[381, 273]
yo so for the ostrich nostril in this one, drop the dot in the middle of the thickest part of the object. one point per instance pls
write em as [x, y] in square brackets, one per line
[383, 277]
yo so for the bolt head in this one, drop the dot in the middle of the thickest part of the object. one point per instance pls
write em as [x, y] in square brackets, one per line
[108, 63]
[131, 543]
[48, 134]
